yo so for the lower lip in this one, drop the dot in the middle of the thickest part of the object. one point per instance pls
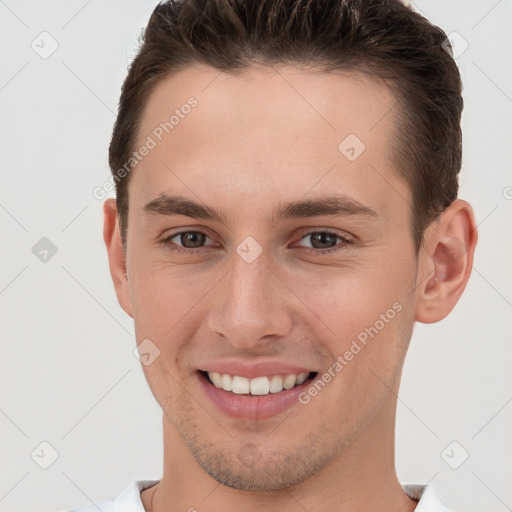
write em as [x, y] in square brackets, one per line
[252, 407]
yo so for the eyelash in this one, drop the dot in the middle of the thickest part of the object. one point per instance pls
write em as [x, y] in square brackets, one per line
[166, 242]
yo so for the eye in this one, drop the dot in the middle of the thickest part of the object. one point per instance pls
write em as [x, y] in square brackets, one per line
[321, 242]
[190, 241]
[324, 242]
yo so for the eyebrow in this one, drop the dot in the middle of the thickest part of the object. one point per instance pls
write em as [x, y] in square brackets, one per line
[338, 205]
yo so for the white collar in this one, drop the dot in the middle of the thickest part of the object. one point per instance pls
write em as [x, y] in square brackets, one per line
[425, 495]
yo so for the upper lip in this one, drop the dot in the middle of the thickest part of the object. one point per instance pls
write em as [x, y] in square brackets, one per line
[255, 369]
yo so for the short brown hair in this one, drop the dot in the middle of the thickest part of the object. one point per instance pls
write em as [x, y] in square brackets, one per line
[383, 39]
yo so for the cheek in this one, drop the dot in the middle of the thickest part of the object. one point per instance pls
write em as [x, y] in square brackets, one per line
[163, 312]
[164, 301]
[363, 315]
[349, 300]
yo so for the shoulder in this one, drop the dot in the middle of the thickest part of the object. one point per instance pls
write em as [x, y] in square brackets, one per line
[127, 501]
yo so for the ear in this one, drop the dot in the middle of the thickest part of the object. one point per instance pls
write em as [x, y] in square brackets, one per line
[446, 261]
[116, 256]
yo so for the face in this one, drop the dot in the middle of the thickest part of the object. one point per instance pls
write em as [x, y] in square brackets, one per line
[270, 263]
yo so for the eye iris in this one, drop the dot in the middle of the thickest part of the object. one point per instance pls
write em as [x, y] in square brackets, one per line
[195, 238]
[323, 238]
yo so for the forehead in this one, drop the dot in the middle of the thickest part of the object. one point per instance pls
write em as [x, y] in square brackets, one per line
[267, 132]
[336, 102]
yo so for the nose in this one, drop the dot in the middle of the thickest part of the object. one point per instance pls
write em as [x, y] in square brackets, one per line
[250, 304]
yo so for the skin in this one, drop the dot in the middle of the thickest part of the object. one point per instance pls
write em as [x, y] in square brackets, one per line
[255, 140]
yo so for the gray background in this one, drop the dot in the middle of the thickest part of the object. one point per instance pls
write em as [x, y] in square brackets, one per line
[68, 373]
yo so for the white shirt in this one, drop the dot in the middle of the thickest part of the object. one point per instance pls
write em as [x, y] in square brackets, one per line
[129, 499]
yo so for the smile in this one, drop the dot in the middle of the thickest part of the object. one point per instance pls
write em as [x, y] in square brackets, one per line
[257, 386]
[255, 397]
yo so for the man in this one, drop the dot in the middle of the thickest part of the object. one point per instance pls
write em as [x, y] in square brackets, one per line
[286, 178]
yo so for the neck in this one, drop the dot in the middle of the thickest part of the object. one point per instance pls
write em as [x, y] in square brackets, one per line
[361, 477]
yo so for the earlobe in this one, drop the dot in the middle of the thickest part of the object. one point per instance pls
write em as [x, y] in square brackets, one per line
[447, 263]
[116, 256]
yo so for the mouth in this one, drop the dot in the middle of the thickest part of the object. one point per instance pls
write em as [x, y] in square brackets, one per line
[258, 386]
[257, 398]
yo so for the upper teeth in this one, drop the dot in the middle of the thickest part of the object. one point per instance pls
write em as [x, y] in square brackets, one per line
[258, 385]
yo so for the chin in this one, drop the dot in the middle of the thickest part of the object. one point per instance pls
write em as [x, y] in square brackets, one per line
[254, 468]
[268, 478]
